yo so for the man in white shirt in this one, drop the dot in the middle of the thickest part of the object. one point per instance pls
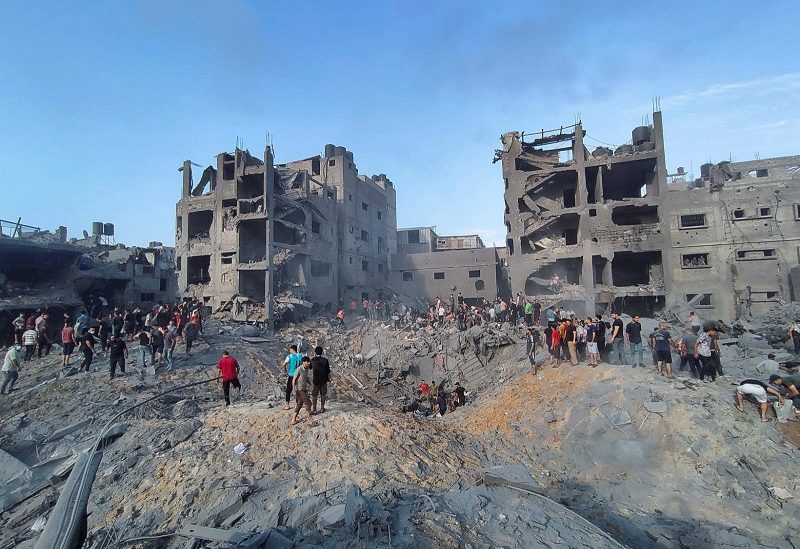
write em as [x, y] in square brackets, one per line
[11, 368]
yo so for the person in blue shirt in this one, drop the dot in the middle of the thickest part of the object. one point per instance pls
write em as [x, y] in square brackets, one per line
[290, 365]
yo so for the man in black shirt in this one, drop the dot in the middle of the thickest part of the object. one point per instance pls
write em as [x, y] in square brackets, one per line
[601, 338]
[118, 354]
[617, 340]
[320, 375]
[633, 332]
[460, 394]
[572, 341]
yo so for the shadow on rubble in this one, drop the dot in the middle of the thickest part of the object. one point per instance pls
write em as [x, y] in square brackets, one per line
[636, 528]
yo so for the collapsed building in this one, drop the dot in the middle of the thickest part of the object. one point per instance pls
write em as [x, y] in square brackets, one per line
[427, 266]
[331, 235]
[42, 268]
[586, 229]
[611, 229]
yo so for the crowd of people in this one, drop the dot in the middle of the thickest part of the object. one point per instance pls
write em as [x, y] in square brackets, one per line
[95, 331]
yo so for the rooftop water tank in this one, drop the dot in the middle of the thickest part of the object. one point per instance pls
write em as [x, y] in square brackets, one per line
[339, 151]
[624, 149]
[97, 228]
[705, 170]
[348, 155]
[330, 150]
[108, 229]
[640, 134]
[602, 151]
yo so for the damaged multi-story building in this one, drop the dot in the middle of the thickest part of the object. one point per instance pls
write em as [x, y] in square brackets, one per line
[610, 228]
[39, 268]
[332, 232]
[427, 266]
[735, 236]
[585, 229]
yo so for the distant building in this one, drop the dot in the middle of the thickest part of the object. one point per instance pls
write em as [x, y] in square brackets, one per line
[427, 265]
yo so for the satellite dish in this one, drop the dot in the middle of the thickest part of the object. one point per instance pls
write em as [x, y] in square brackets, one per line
[85, 234]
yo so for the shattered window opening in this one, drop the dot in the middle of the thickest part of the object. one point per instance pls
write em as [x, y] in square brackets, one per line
[746, 255]
[692, 221]
[705, 301]
[438, 276]
[475, 274]
[408, 277]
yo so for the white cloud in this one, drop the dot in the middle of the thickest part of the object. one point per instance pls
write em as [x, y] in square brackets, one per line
[771, 85]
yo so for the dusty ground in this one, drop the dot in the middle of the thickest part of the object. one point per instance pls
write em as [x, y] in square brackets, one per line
[699, 474]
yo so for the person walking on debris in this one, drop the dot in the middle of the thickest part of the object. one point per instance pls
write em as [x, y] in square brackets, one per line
[41, 331]
[591, 341]
[794, 335]
[157, 345]
[29, 341]
[300, 382]
[145, 347]
[686, 351]
[229, 372]
[290, 365]
[11, 368]
[190, 333]
[617, 342]
[702, 351]
[461, 395]
[170, 341]
[662, 343]
[555, 346]
[340, 318]
[424, 388]
[715, 354]
[321, 374]
[88, 344]
[117, 354]
[571, 334]
[633, 332]
[19, 328]
[758, 390]
[531, 340]
[694, 322]
[67, 343]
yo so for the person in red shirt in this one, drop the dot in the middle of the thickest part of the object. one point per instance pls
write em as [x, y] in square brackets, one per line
[555, 348]
[229, 371]
[423, 387]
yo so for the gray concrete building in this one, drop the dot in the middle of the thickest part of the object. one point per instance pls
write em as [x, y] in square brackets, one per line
[735, 236]
[585, 229]
[333, 229]
[422, 270]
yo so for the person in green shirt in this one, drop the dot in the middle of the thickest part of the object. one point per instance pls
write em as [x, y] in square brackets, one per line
[528, 313]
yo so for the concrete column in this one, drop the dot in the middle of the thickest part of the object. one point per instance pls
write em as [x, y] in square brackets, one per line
[187, 178]
[578, 156]
[663, 209]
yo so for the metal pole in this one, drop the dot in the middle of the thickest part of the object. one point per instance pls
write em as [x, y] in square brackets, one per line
[269, 186]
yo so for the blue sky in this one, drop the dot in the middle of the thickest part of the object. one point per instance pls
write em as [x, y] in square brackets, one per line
[102, 101]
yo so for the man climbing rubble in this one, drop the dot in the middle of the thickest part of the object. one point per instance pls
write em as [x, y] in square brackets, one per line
[11, 368]
[300, 382]
[321, 373]
[758, 390]
[290, 365]
[229, 372]
[88, 344]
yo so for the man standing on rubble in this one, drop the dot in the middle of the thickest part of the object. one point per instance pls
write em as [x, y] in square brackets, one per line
[531, 341]
[41, 331]
[29, 341]
[300, 383]
[617, 340]
[591, 341]
[67, 343]
[571, 336]
[19, 328]
[88, 347]
[528, 312]
[11, 368]
[633, 332]
[145, 347]
[229, 371]
[170, 340]
[118, 354]
[290, 365]
[662, 344]
[321, 374]
[702, 351]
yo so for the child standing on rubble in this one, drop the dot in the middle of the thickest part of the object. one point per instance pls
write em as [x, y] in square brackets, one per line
[301, 383]
[290, 365]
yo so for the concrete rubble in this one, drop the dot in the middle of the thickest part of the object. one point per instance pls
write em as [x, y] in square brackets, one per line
[603, 457]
